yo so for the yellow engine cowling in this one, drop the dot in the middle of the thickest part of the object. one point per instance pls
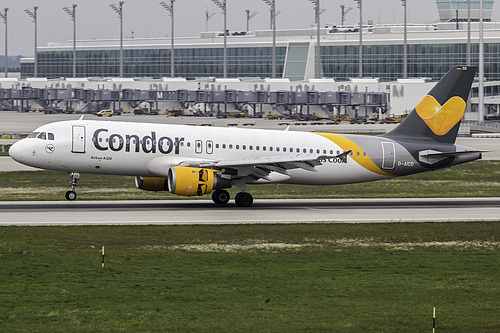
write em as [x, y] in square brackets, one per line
[191, 181]
[151, 183]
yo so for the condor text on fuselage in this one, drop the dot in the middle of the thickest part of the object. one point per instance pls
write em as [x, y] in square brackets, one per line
[133, 143]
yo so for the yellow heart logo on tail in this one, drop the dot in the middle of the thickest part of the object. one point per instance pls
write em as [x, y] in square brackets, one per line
[441, 119]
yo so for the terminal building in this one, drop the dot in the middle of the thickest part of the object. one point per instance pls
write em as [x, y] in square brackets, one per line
[431, 50]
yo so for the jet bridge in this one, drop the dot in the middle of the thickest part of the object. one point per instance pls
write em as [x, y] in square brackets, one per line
[66, 98]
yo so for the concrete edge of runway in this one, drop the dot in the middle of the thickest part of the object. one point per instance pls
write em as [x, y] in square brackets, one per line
[336, 201]
[249, 222]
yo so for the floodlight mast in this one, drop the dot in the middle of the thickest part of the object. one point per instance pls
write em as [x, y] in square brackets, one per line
[208, 16]
[72, 13]
[33, 15]
[360, 61]
[481, 64]
[344, 11]
[170, 9]
[119, 10]
[318, 46]
[4, 17]
[272, 4]
[250, 15]
[405, 41]
[222, 6]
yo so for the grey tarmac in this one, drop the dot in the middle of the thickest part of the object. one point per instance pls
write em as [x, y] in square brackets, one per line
[172, 212]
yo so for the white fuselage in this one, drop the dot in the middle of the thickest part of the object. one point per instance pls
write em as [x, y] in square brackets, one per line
[121, 148]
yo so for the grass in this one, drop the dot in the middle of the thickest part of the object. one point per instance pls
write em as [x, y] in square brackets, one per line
[475, 179]
[252, 278]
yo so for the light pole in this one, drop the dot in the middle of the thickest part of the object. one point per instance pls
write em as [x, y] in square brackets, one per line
[318, 48]
[272, 4]
[405, 42]
[250, 15]
[119, 10]
[72, 14]
[222, 6]
[33, 15]
[276, 14]
[4, 17]
[481, 65]
[468, 33]
[344, 11]
[208, 16]
[360, 61]
[170, 9]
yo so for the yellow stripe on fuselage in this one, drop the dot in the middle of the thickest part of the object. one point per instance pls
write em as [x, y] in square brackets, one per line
[362, 159]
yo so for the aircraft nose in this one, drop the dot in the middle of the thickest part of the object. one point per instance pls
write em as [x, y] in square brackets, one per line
[16, 151]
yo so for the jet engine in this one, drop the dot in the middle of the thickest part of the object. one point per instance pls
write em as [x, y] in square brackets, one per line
[151, 183]
[190, 181]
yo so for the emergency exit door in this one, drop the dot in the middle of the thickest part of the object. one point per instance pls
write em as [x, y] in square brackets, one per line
[78, 145]
[389, 157]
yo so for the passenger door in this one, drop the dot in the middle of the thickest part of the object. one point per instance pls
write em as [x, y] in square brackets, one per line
[78, 145]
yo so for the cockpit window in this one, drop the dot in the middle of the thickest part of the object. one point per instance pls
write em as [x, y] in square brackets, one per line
[33, 135]
[42, 136]
[51, 136]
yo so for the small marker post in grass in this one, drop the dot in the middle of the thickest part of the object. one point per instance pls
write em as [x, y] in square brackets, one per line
[102, 256]
[434, 320]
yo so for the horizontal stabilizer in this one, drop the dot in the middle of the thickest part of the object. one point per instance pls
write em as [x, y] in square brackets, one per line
[433, 156]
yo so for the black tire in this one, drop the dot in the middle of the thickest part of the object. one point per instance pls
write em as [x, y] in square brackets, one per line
[220, 197]
[243, 199]
[70, 195]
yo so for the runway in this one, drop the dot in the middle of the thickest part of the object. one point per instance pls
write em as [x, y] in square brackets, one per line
[171, 212]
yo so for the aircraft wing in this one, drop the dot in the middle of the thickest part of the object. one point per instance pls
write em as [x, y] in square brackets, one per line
[261, 167]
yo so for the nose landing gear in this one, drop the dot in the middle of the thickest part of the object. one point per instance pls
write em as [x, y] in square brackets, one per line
[71, 195]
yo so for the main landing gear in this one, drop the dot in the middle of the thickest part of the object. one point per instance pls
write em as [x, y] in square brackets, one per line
[242, 199]
[71, 195]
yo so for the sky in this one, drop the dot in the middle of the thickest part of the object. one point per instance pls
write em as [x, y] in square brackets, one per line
[146, 18]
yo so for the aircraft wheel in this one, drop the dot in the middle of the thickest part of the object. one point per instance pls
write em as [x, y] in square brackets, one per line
[243, 199]
[220, 197]
[70, 195]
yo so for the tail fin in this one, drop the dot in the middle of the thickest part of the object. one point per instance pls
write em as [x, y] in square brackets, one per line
[439, 113]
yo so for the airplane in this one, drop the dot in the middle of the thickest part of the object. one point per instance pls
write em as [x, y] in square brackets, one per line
[194, 161]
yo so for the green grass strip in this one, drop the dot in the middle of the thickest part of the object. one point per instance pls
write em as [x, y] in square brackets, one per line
[251, 278]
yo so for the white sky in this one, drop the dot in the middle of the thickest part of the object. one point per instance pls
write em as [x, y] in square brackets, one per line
[146, 18]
